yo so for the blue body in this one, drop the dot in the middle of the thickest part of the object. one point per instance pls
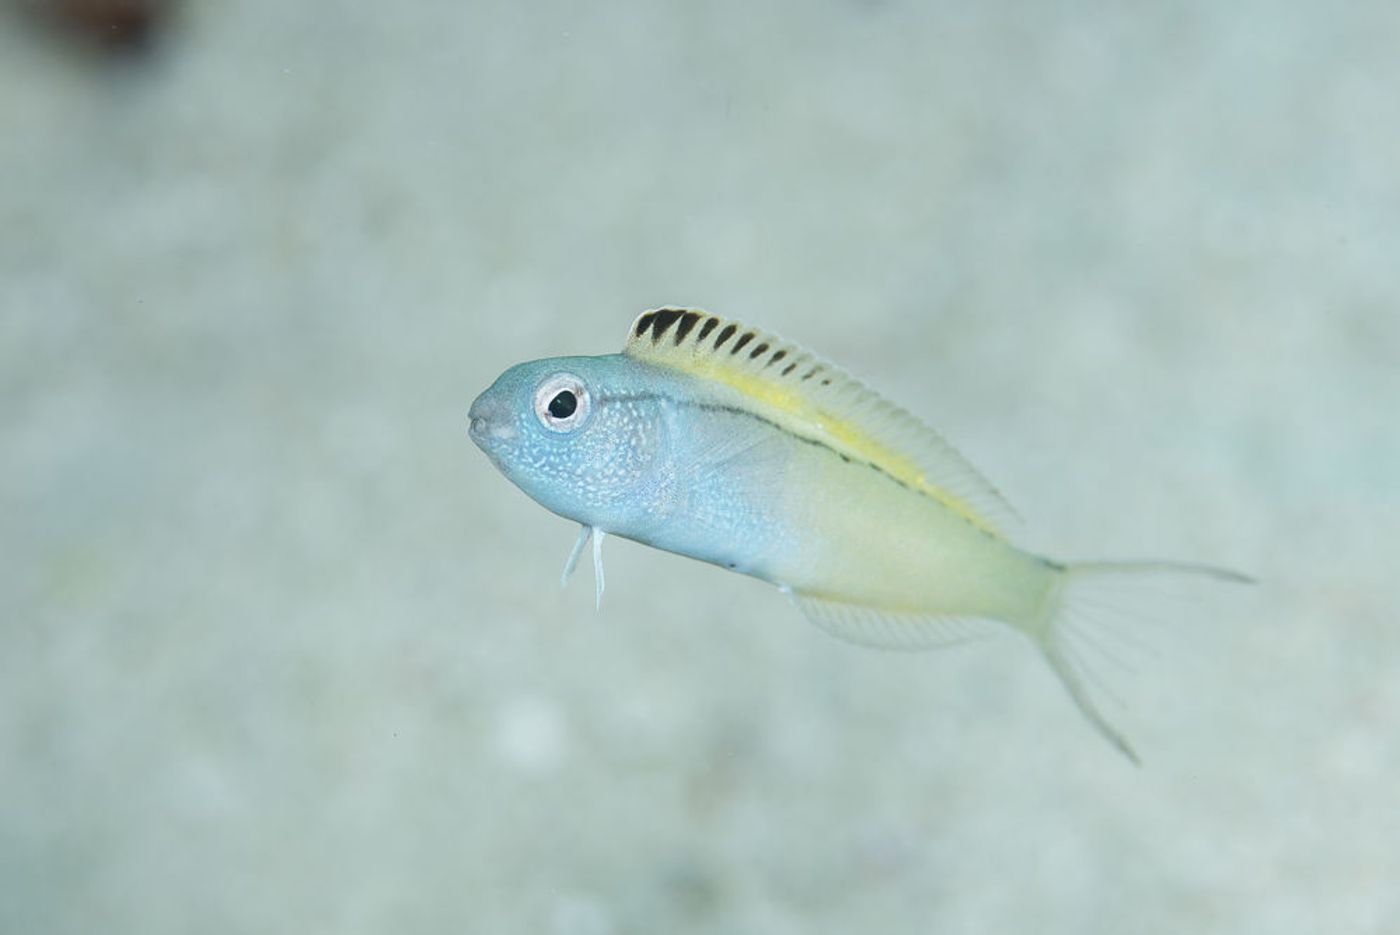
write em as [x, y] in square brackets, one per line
[643, 464]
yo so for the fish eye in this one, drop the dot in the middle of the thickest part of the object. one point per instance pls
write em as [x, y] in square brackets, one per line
[563, 405]
[561, 402]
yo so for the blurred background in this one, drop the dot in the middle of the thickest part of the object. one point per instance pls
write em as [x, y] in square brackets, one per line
[281, 652]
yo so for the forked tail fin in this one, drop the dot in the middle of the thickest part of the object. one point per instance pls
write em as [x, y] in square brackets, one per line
[1081, 605]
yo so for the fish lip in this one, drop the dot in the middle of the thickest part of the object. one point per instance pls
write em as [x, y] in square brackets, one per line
[487, 423]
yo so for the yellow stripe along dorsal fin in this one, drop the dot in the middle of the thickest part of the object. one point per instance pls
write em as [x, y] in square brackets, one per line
[808, 396]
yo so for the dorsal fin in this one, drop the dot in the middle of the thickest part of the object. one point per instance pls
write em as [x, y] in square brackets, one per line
[815, 399]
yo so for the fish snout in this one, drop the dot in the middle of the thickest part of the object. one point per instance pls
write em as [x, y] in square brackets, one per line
[488, 420]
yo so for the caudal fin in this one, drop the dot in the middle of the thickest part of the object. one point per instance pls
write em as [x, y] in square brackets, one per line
[1086, 599]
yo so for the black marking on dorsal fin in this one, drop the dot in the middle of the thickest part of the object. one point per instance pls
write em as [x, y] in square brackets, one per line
[688, 321]
[661, 320]
[812, 400]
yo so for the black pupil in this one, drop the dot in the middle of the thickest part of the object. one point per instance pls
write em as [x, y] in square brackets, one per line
[563, 404]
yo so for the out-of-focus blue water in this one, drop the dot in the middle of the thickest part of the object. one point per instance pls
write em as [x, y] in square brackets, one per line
[280, 651]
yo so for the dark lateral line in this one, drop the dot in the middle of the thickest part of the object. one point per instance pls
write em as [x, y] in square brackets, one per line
[735, 410]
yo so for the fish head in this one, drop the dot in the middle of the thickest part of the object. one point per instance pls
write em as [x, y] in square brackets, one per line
[576, 434]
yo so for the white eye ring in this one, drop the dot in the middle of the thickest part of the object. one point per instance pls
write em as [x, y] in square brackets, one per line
[562, 402]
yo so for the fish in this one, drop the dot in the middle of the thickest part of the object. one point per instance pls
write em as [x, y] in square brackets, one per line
[725, 443]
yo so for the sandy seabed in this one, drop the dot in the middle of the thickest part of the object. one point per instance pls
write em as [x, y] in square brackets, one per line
[281, 652]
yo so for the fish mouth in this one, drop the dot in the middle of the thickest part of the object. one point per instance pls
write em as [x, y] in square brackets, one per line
[488, 423]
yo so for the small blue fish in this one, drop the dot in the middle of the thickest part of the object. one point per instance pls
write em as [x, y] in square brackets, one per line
[715, 440]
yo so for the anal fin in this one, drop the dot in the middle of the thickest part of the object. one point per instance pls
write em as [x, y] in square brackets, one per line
[867, 626]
